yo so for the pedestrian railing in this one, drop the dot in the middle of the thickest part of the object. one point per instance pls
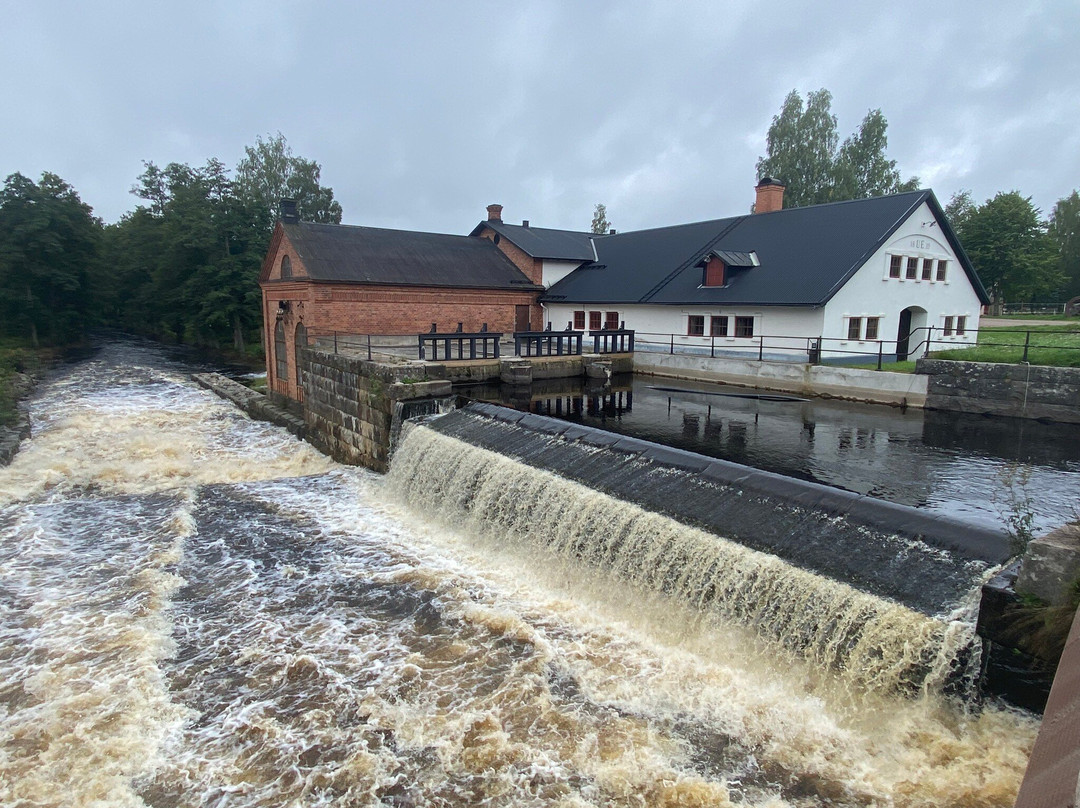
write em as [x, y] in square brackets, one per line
[547, 343]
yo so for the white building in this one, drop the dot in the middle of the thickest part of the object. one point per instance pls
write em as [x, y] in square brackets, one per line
[856, 278]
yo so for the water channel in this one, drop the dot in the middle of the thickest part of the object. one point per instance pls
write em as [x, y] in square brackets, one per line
[198, 610]
[974, 468]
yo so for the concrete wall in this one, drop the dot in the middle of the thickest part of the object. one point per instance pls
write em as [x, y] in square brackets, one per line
[878, 387]
[1019, 391]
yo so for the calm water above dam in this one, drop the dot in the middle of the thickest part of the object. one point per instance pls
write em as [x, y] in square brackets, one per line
[972, 467]
[198, 610]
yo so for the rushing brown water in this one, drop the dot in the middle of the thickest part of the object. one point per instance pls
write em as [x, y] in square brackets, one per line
[198, 609]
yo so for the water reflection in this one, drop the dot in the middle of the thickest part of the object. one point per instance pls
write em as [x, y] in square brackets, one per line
[969, 466]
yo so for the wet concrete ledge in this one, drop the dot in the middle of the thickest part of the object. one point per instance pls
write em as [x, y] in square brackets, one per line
[250, 401]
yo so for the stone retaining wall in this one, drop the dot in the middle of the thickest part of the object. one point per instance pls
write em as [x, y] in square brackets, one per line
[1019, 391]
[350, 404]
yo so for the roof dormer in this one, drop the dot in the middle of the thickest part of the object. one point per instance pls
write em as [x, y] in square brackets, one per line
[719, 264]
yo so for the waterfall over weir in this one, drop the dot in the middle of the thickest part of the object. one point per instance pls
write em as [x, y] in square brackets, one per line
[813, 569]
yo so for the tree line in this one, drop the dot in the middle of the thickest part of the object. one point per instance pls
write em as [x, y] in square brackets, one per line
[183, 266]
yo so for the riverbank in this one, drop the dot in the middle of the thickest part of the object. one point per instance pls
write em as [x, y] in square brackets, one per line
[21, 367]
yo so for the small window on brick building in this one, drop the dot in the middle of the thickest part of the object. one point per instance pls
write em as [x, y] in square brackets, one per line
[961, 326]
[594, 321]
[942, 267]
[611, 320]
[854, 327]
[744, 326]
[872, 327]
[579, 321]
[912, 269]
[927, 269]
[895, 263]
[695, 325]
[718, 326]
[948, 326]
[286, 267]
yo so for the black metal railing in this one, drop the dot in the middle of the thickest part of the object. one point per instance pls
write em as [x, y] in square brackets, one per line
[547, 343]
[482, 344]
[616, 340]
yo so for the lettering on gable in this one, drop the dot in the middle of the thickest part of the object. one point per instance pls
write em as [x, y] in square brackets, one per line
[918, 245]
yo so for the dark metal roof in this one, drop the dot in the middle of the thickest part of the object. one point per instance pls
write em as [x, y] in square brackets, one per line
[733, 258]
[805, 256]
[345, 253]
[541, 242]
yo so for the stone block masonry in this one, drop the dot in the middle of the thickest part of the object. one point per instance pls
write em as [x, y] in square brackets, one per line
[1019, 391]
[351, 404]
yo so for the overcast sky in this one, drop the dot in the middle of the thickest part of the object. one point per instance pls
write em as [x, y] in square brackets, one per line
[421, 114]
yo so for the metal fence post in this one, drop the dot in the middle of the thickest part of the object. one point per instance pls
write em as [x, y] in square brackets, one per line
[712, 346]
[335, 342]
[1027, 341]
[879, 352]
[369, 347]
[761, 348]
[672, 344]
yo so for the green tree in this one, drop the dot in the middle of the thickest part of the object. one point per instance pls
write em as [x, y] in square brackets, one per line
[270, 172]
[803, 152]
[1064, 229]
[862, 170]
[1009, 246]
[959, 209]
[600, 223]
[49, 242]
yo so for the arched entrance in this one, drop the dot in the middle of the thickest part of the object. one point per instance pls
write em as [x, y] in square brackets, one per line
[912, 334]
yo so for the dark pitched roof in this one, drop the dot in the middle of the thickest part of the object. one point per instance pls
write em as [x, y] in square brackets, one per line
[541, 242]
[345, 253]
[805, 255]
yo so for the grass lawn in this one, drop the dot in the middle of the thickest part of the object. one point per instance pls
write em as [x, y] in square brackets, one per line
[1054, 345]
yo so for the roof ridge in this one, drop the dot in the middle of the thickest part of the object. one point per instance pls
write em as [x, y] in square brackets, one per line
[372, 227]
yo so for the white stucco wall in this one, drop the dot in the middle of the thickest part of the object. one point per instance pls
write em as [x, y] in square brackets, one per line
[785, 327]
[872, 293]
[554, 271]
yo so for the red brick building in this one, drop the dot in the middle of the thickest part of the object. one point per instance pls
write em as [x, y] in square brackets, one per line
[318, 279]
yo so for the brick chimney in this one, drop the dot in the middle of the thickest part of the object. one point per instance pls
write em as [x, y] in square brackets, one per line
[288, 210]
[770, 195]
[494, 213]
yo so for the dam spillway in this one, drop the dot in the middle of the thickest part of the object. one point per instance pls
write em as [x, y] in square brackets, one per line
[881, 593]
[926, 561]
